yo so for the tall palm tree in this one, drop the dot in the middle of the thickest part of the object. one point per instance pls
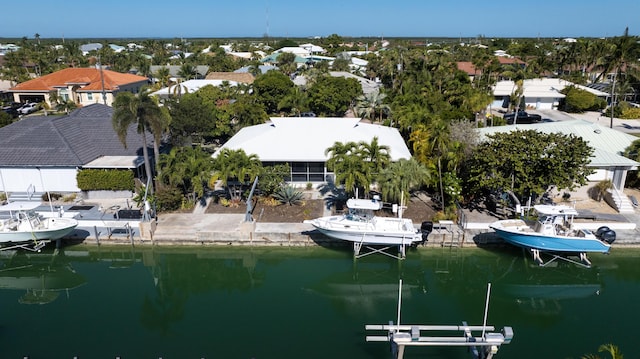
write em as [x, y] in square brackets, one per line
[141, 111]
[400, 178]
[375, 154]
[371, 104]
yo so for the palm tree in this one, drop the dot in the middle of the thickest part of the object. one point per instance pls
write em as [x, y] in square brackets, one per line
[375, 154]
[613, 350]
[236, 164]
[163, 76]
[186, 167]
[141, 111]
[349, 165]
[371, 104]
[187, 71]
[400, 178]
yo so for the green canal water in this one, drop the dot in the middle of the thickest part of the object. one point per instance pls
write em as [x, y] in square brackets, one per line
[231, 302]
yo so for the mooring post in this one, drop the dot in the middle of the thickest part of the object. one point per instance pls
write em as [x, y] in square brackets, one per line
[95, 230]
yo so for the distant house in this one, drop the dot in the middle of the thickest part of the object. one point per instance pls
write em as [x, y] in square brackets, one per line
[304, 140]
[174, 71]
[46, 153]
[540, 94]
[83, 86]
[298, 51]
[189, 86]
[469, 68]
[238, 77]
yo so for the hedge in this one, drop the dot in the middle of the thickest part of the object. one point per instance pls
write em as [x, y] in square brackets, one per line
[105, 180]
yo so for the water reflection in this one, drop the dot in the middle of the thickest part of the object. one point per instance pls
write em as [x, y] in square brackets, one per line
[370, 285]
[42, 277]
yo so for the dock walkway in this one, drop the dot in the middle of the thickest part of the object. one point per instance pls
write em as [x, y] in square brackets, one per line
[98, 225]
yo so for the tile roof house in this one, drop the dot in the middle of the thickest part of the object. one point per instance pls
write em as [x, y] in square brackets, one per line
[46, 152]
[84, 86]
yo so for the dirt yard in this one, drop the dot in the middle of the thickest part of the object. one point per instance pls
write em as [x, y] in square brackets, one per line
[418, 210]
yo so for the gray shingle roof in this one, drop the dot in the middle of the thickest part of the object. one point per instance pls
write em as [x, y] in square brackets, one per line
[72, 140]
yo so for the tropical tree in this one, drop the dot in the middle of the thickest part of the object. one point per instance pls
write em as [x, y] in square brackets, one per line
[188, 168]
[286, 62]
[502, 163]
[163, 76]
[400, 178]
[142, 112]
[333, 96]
[375, 154]
[295, 102]
[356, 165]
[271, 88]
[612, 349]
[371, 106]
[236, 166]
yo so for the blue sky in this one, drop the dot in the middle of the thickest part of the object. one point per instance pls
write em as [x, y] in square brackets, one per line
[285, 18]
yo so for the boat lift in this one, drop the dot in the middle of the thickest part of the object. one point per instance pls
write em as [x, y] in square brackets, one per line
[481, 347]
[360, 249]
[582, 261]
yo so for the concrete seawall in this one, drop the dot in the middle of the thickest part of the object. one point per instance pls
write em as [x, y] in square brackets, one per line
[230, 229]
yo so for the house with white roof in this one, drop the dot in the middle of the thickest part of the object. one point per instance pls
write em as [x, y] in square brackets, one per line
[539, 94]
[314, 49]
[302, 141]
[189, 86]
[298, 51]
[606, 161]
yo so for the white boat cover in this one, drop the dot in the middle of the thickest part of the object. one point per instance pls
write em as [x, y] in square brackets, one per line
[370, 204]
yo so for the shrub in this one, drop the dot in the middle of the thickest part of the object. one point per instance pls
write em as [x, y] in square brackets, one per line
[630, 113]
[70, 197]
[289, 195]
[268, 201]
[53, 195]
[168, 199]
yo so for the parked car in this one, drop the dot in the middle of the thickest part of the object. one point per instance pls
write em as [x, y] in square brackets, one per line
[523, 118]
[13, 112]
[28, 108]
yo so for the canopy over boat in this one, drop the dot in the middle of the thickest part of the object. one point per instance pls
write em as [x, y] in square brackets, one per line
[551, 210]
[367, 204]
[19, 206]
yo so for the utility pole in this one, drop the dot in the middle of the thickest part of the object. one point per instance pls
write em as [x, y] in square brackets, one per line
[611, 108]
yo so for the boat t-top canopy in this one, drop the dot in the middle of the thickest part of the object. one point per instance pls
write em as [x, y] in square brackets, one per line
[369, 204]
[550, 210]
[19, 206]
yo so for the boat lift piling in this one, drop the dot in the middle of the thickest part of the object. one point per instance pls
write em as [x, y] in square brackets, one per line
[481, 347]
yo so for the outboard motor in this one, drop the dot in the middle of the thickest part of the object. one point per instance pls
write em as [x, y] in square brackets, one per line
[426, 228]
[606, 234]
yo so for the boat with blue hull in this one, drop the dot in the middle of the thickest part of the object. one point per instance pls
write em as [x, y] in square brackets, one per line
[555, 233]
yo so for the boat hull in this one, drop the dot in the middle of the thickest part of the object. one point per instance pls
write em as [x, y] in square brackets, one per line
[391, 231]
[52, 229]
[557, 244]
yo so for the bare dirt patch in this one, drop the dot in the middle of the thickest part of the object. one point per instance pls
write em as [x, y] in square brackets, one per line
[418, 210]
[282, 213]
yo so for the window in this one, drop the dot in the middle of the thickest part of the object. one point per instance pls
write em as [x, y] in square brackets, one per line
[90, 96]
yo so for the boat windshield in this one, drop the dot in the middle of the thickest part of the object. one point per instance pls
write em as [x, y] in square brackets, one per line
[360, 215]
